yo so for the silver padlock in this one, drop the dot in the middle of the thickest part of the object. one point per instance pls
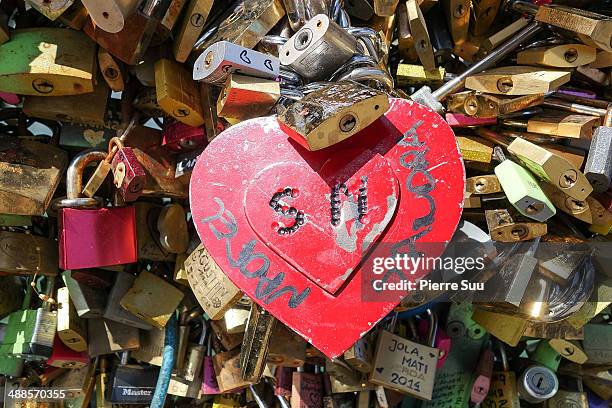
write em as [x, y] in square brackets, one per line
[223, 58]
[318, 49]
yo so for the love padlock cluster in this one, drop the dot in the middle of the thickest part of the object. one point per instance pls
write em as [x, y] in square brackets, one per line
[306, 204]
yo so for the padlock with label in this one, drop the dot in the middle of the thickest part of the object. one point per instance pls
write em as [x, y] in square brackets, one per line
[598, 168]
[522, 189]
[220, 60]
[88, 302]
[132, 41]
[70, 328]
[113, 311]
[29, 64]
[255, 346]
[245, 97]
[41, 165]
[404, 365]
[332, 114]
[88, 237]
[30, 332]
[214, 290]
[177, 94]
[152, 299]
[517, 80]
[503, 391]
[131, 383]
[592, 28]
[318, 49]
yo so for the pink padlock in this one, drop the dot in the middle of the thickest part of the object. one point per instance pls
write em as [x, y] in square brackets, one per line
[10, 98]
[90, 236]
[178, 137]
[460, 120]
[442, 342]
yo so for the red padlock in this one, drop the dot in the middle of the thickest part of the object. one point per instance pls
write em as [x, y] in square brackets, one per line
[89, 236]
[129, 175]
[296, 229]
[64, 357]
[179, 137]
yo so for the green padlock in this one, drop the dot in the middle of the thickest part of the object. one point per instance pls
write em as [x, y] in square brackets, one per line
[546, 355]
[522, 189]
[30, 332]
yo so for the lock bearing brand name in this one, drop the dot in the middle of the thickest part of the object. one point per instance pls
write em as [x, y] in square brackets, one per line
[136, 392]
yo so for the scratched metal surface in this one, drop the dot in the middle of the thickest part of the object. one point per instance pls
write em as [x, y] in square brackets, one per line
[417, 145]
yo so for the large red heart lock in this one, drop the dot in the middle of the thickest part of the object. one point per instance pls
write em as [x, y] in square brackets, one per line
[296, 230]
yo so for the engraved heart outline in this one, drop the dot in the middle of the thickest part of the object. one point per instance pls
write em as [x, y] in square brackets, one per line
[424, 154]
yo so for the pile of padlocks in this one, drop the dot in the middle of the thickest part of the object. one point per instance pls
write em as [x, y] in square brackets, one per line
[194, 195]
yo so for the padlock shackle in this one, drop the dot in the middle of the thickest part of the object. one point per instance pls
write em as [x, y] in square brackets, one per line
[74, 175]
[433, 328]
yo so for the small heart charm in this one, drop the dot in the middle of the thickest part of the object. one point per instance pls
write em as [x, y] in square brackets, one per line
[93, 137]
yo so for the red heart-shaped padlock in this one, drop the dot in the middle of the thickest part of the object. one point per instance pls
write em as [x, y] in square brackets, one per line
[295, 229]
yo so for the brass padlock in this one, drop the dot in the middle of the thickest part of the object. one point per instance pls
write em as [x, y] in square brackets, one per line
[70, 328]
[482, 105]
[287, 348]
[177, 94]
[558, 56]
[255, 346]
[213, 289]
[191, 27]
[332, 114]
[517, 80]
[110, 15]
[418, 30]
[406, 43]
[152, 299]
[504, 227]
[458, 17]
[123, 282]
[111, 70]
[404, 365]
[558, 124]
[493, 41]
[475, 149]
[483, 15]
[27, 254]
[227, 369]
[485, 184]
[245, 97]
[31, 65]
[507, 328]
[87, 109]
[32, 172]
